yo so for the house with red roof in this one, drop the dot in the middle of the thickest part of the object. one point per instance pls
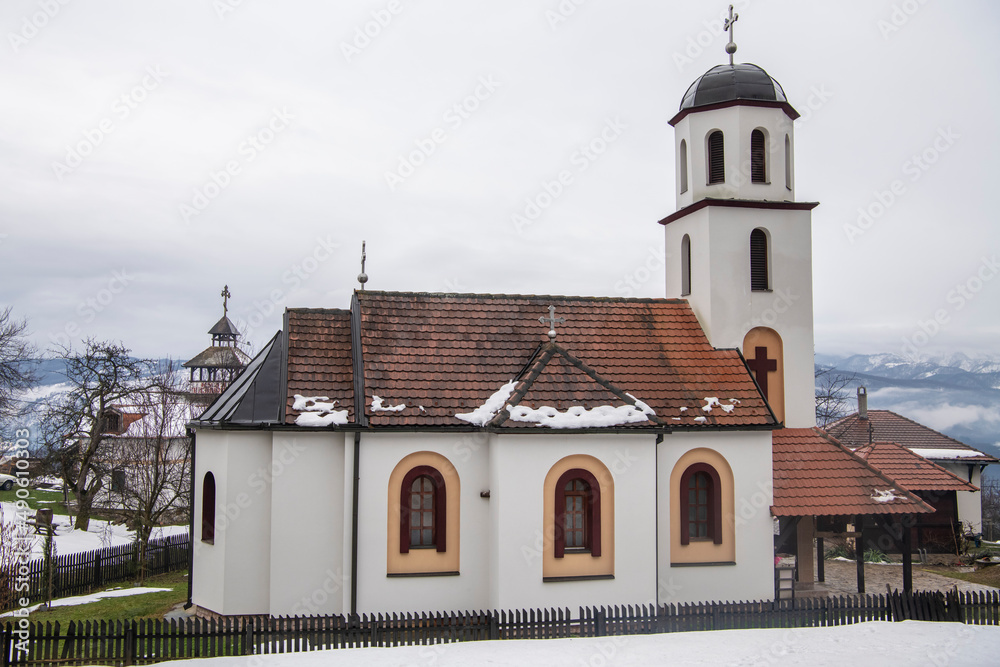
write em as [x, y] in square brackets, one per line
[417, 451]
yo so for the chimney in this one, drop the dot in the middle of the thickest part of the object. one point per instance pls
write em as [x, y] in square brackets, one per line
[862, 403]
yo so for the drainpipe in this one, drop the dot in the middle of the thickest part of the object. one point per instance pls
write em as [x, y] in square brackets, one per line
[354, 523]
[191, 434]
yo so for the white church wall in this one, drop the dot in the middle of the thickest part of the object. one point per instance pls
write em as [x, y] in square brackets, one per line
[752, 577]
[519, 467]
[244, 516]
[736, 123]
[211, 454]
[307, 575]
[377, 592]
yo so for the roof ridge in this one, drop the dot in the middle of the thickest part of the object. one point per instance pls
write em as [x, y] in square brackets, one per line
[488, 295]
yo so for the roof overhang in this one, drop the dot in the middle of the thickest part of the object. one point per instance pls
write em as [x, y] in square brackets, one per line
[739, 203]
[784, 106]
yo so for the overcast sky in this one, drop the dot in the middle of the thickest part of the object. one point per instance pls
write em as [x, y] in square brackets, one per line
[151, 152]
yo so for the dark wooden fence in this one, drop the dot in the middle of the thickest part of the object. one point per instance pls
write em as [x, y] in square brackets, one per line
[81, 573]
[148, 641]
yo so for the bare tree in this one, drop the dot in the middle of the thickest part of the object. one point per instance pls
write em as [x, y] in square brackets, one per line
[77, 425]
[991, 508]
[832, 396]
[17, 372]
[153, 460]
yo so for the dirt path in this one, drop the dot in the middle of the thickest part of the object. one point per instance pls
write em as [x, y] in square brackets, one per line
[842, 579]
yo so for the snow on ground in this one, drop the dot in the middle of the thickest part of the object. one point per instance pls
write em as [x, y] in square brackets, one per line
[101, 534]
[94, 597]
[882, 643]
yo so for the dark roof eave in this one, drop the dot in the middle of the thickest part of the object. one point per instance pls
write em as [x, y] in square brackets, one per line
[738, 203]
[350, 428]
[784, 106]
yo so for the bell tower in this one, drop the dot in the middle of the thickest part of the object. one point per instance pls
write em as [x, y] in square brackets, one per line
[739, 246]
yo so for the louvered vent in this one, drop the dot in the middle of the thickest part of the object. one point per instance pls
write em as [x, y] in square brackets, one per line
[716, 158]
[758, 261]
[758, 174]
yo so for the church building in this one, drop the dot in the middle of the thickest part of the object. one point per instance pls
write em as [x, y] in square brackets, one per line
[420, 451]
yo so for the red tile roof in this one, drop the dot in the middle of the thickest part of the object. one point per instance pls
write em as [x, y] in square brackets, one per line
[888, 426]
[816, 475]
[911, 470]
[446, 354]
[319, 358]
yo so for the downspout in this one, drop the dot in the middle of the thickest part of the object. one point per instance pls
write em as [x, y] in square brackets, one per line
[656, 513]
[354, 523]
[191, 434]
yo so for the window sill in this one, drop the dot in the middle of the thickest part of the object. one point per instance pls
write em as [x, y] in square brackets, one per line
[709, 564]
[583, 577]
[392, 575]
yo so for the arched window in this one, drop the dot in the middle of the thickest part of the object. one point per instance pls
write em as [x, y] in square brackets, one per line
[578, 513]
[208, 509]
[758, 157]
[684, 166]
[423, 512]
[701, 504]
[759, 280]
[788, 162]
[685, 265]
[716, 158]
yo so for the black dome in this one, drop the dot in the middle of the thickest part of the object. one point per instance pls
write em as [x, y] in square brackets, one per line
[724, 83]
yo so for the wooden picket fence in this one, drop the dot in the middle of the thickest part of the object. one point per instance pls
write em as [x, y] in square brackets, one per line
[149, 641]
[84, 572]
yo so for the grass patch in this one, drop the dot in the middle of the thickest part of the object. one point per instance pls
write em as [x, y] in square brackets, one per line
[987, 576]
[147, 605]
[36, 495]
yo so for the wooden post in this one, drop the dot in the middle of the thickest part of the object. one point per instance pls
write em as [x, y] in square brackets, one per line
[907, 555]
[820, 558]
[859, 550]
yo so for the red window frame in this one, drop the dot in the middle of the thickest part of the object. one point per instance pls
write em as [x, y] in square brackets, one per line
[592, 512]
[714, 499]
[440, 507]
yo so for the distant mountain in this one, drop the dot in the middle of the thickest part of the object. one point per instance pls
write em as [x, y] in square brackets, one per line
[956, 394]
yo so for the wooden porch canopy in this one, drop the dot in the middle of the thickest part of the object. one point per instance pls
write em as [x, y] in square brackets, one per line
[814, 475]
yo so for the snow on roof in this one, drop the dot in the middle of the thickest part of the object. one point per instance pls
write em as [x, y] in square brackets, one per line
[580, 417]
[493, 405]
[317, 411]
[946, 453]
[378, 407]
[886, 496]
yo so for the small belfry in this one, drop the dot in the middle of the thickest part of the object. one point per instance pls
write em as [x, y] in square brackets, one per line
[740, 243]
[216, 366]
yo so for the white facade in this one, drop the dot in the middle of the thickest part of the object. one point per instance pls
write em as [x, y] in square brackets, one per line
[970, 503]
[284, 509]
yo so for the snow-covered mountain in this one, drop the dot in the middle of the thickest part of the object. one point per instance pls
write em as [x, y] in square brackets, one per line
[955, 394]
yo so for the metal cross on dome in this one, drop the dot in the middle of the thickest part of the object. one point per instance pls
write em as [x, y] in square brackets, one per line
[728, 25]
[225, 300]
[552, 321]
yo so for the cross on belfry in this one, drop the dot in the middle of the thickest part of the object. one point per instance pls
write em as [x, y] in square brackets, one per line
[552, 320]
[225, 300]
[761, 366]
[728, 25]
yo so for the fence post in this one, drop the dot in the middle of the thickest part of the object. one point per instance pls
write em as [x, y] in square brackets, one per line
[97, 569]
[5, 643]
[494, 616]
[600, 622]
[248, 636]
[129, 658]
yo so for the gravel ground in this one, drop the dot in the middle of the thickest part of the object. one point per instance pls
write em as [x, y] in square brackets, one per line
[842, 579]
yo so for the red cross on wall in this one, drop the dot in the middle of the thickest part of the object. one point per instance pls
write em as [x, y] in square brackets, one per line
[761, 366]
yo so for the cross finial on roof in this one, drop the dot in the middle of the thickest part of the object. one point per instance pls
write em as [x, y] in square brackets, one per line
[552, 320]
[363, 277]
[728, 25]
[225, 300]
